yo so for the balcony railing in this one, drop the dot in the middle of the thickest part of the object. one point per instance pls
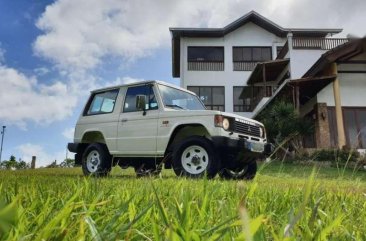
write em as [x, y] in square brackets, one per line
[283, 51]
[317, 43]
[242, 108]
[244, 66]
[205, 66]
[257, 97]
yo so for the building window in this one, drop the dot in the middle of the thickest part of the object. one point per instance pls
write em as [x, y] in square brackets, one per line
[205, 58]
[212, 96]
[245, 58]
[354, 125]
[240, 105]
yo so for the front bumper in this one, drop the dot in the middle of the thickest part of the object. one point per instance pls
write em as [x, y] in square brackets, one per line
[250, 148]
[76, 148]
[73, 147]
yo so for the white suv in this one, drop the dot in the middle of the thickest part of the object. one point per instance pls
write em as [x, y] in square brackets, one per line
[152, 124]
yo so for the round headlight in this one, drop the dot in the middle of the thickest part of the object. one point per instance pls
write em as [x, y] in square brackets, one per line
[261, 132]
[225, 124]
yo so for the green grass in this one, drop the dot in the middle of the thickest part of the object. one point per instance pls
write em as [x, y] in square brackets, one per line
[284, 202]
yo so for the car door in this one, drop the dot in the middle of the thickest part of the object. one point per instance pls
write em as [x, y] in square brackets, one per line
[137, 129]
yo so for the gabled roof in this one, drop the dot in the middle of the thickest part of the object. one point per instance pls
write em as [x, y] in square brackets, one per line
[253, 17]
[340, 53]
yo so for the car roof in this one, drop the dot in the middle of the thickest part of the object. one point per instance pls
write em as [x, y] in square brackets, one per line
[141, 83]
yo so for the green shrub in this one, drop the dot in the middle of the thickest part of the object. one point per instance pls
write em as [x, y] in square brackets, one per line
[334, 155]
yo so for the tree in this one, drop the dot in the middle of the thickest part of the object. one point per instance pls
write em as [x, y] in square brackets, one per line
[68, 163]
[52, 165]
[284, 125]
[22, 165]
[12, 163]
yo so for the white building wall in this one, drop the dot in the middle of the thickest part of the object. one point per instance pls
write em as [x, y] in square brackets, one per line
[247, 35]
[302, 60]
[352, 88]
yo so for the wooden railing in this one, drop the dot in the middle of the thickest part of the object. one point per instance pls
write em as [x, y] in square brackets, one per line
[258, 95]
[244, 66]
[205, 66]
[317, 43]
[283, 51]
[242, 108]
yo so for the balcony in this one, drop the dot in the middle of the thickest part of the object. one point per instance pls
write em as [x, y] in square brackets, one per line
[244, 65]
[312, 43]
[317, 43]
[205, 66]
[252, 95]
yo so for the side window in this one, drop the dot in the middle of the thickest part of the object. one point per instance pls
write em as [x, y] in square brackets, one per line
[102, 103]
[132, 92]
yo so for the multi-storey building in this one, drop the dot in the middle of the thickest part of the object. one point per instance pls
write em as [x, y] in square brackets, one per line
[249, 64]
[216, 63]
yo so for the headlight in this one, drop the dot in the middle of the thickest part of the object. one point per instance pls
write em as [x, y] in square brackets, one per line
[222, 121]
[262, 131]
[225, 124]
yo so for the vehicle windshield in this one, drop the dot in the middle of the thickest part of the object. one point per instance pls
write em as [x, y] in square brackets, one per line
[178, 99]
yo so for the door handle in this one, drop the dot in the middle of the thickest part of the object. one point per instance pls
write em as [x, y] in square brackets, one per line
[124, 120]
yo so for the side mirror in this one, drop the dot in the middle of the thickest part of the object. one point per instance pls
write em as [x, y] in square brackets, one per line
[141, 102]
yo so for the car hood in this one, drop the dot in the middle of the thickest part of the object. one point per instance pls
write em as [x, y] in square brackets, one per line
[182, 113]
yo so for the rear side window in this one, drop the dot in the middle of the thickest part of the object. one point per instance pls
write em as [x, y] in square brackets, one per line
[102, 103]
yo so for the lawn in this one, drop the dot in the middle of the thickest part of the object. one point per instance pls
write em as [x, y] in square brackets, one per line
[284, 202]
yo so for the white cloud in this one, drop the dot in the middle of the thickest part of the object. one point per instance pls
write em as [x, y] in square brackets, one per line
[78, 34]
[2, 54]
[68, 133]
[41, 71]
[43, 158]
[23, 99]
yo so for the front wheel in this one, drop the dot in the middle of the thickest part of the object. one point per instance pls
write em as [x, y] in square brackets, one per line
[245, 171]
[195, 157]
[96, 160]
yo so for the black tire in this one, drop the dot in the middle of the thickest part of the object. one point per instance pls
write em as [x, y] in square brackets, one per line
[204, 160]
[96, 160]
[146, 171]
[245, 171]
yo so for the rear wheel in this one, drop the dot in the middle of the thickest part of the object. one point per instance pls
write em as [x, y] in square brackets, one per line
[195, 157]
[96, 160]
[243, 171]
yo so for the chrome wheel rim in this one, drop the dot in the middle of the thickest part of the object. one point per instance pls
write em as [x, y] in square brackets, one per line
[93, 161]
[195, 159]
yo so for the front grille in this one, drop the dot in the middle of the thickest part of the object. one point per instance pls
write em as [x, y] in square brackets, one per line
[247, 129]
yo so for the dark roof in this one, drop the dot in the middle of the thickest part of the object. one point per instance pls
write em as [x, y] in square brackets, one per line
[253, 17]
[340, 53]
[308, 88]
[272, 69]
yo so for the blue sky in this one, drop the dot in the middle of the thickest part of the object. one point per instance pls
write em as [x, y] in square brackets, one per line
[52, 53]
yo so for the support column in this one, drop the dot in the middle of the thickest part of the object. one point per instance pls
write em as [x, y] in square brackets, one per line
[338, 108]
[297, 93]
[33, 163]
[264, 80]
[322, 134]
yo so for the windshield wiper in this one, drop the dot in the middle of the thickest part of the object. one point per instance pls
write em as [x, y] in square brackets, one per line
[175, 106]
